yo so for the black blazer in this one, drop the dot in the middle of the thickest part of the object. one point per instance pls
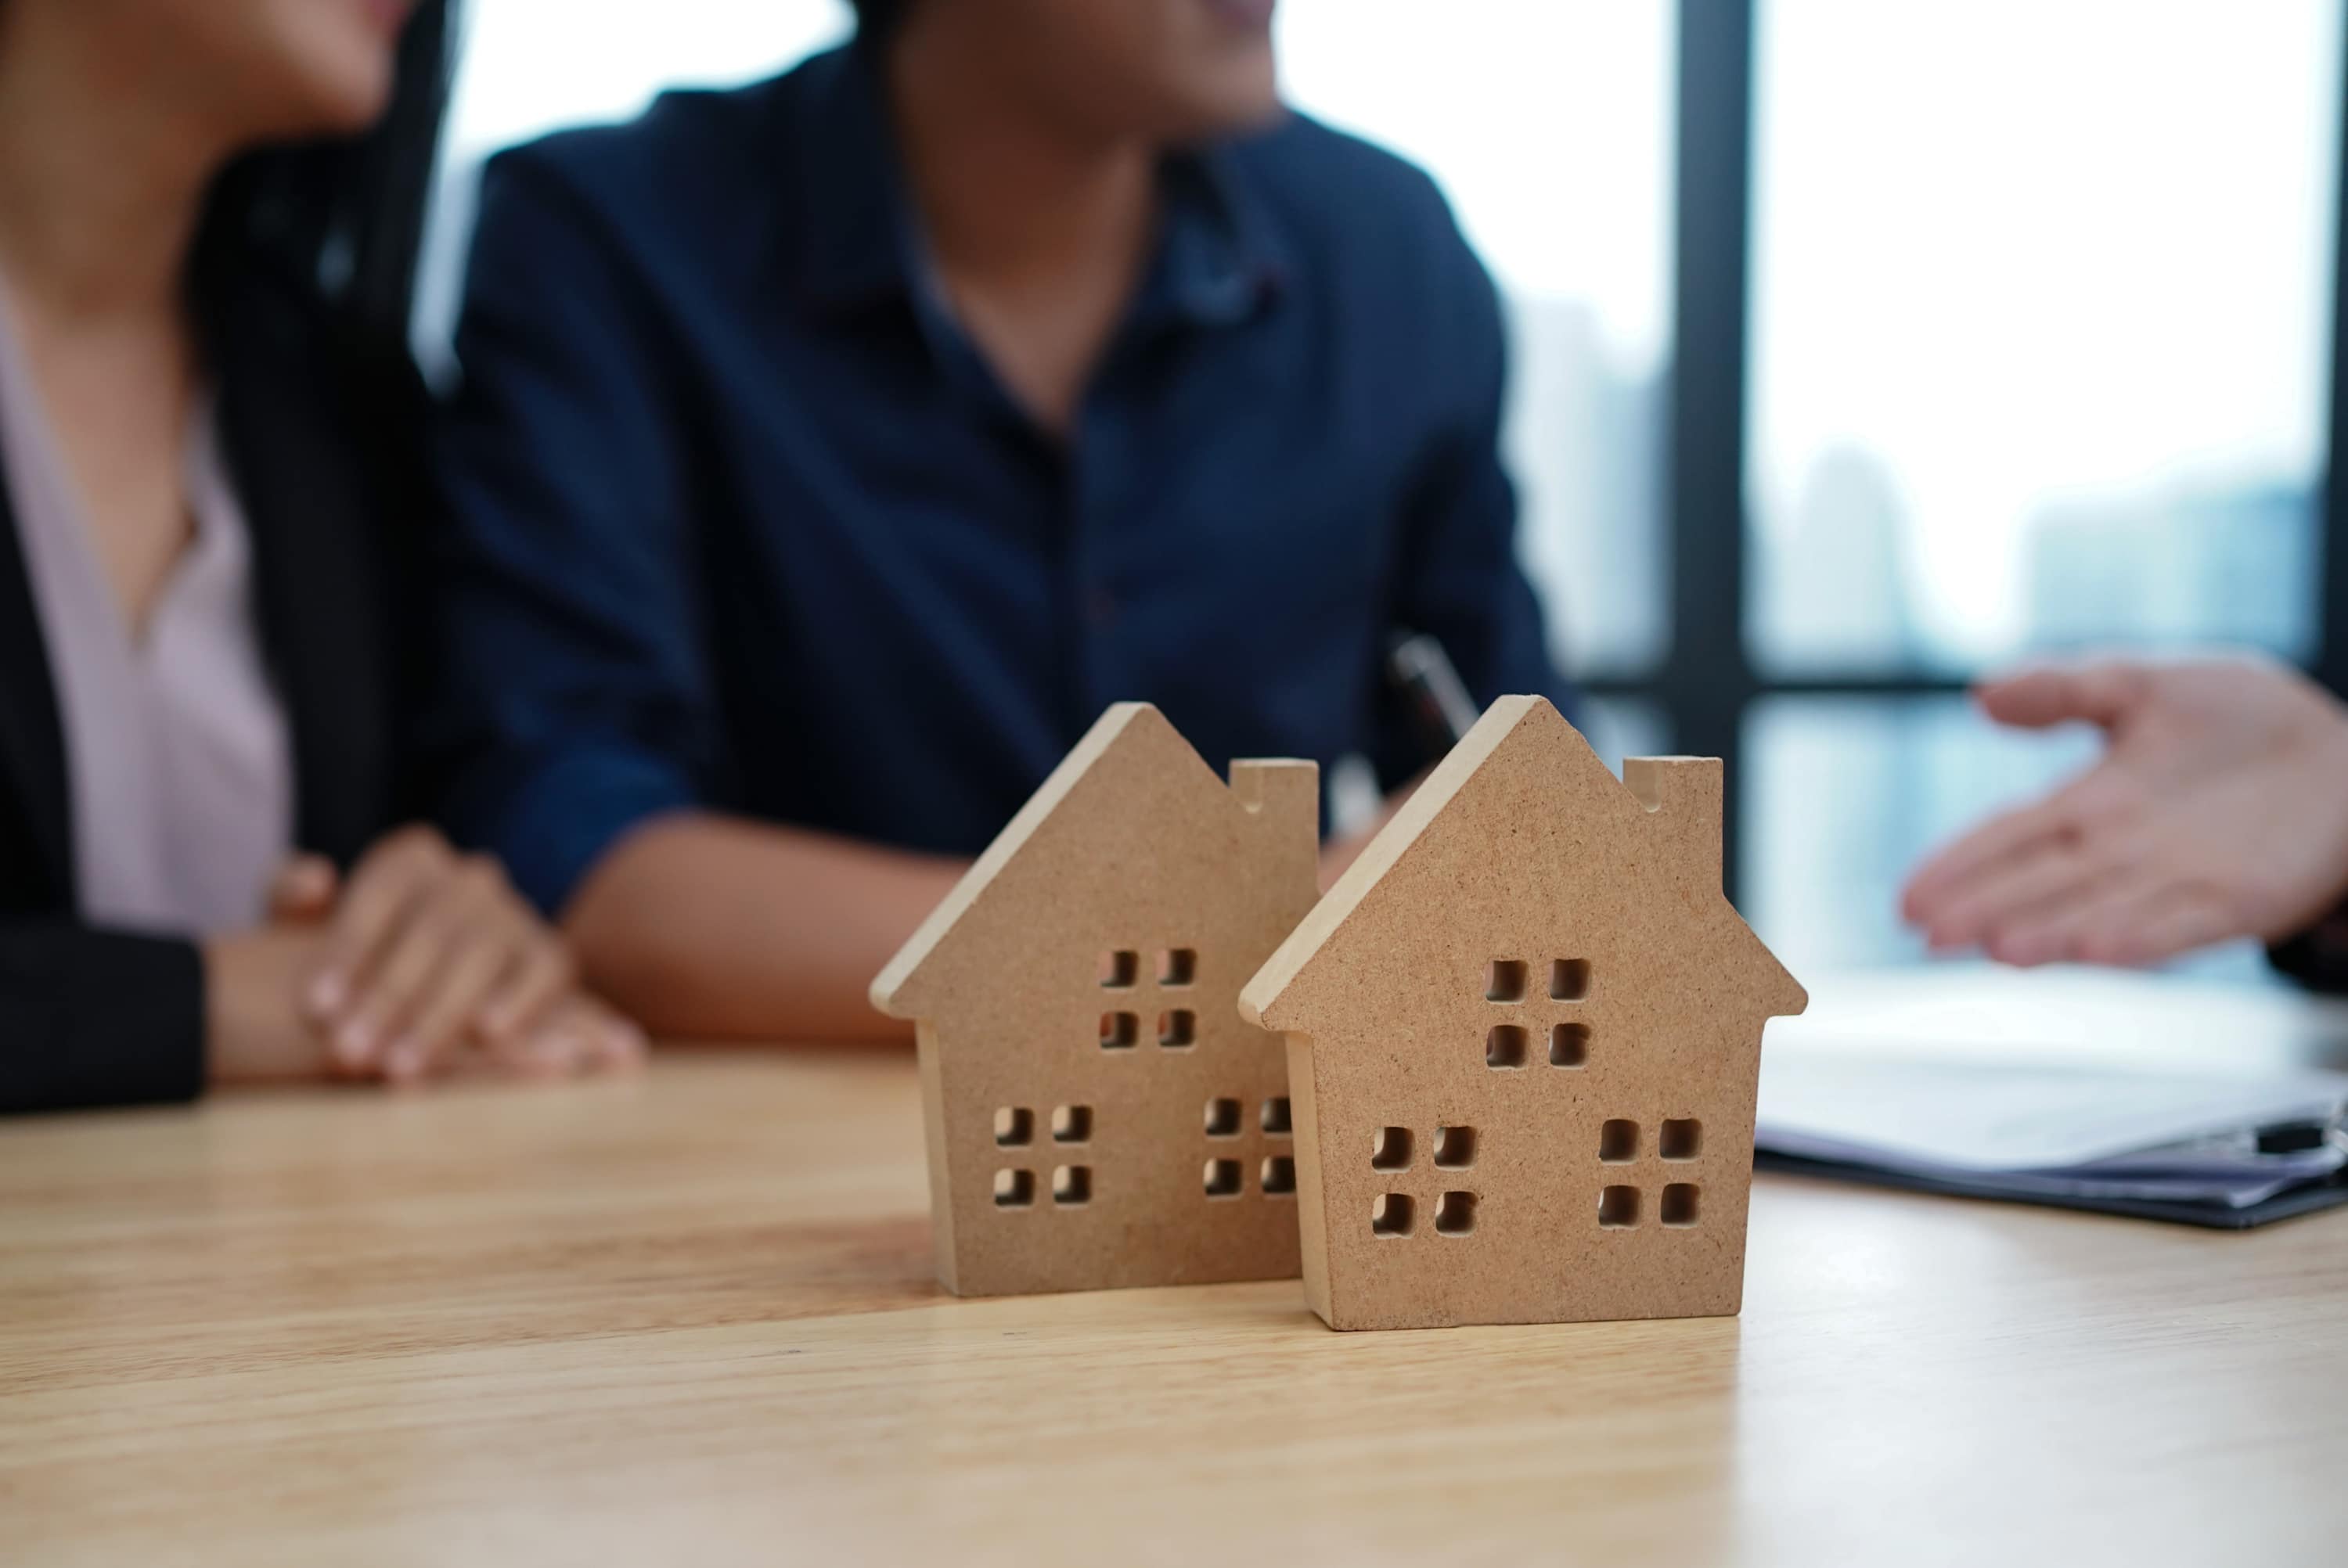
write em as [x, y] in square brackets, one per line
[321, 455]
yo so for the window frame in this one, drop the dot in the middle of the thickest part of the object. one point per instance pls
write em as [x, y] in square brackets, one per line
[1707, 685]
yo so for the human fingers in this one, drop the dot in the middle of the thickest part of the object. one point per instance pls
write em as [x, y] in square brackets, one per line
[469, 972]
[619, 1044]
[2098, 815]
[1944, 875]
[456, 913]
[303, 891]
[541, 974]
[577, 1036]
[2161, 929]
[394, 874]
[2054, 932]
[2052, 869]
[2101, 693]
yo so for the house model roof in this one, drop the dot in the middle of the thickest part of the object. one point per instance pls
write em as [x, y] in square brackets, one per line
[1128, 790]
[1521, 787]
[1098, 1115]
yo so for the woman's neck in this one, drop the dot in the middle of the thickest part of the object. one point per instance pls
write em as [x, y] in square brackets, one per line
[103, 168]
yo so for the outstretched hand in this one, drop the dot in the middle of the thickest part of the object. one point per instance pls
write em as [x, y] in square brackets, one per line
[2219, 809]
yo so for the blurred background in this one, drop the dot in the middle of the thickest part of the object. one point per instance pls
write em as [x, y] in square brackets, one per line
[1858, 348]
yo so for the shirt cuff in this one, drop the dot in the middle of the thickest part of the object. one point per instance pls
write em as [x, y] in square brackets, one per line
[2318, 956]
[550, 823]
[92, 1018]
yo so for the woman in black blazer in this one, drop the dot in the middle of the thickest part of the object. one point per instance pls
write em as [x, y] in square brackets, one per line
[174, 304]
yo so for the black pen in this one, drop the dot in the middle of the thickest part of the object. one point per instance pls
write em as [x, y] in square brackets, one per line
[1431, 689]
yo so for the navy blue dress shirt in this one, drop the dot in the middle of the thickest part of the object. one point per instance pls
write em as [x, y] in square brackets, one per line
[741, 520]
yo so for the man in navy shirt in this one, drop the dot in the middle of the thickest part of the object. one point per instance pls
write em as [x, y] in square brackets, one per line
[830, 452]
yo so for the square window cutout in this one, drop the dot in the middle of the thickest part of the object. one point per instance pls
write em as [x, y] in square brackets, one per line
[1071, 1124]
[1505, 1046]
[1390, 1149]
[1504, 980]
[1014, 1127]
[1455, 1213]
[1222, 1118]
[1455, 1148]
[1278, 1176]
[1014, 1189]
[1618, 1141]
[1178, 1029]
[1072, 1184]
[1568, 1044]
[1178, 967]
[1569, 980]
[1120, 969]
[1119, 1030]
[1678, 1208]
[1276, 1122]
[1390, 1215]
[1222, 1178]
[1680, 1139]
[1617, 1207]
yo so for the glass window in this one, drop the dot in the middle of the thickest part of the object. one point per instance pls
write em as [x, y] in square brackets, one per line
[2040, 315]
[1619, 727]
[1548, 127]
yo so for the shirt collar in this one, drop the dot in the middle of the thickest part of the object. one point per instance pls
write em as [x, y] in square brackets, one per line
[1219, 257]
[856, 235]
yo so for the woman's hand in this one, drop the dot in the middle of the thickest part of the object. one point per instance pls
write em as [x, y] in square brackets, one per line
[2219, 810]
[255, 1031]
[425, 950]
[578, 1034]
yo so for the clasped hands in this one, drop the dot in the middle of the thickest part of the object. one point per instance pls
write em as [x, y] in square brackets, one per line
[421, 962]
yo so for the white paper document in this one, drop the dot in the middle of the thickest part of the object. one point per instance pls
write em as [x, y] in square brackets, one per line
[2055, 1130]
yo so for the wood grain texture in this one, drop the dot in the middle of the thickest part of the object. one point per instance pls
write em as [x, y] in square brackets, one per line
[691, 1318]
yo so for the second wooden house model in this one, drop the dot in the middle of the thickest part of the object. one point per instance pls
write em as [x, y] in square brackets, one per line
[1524, 1036]
[1098, 1114]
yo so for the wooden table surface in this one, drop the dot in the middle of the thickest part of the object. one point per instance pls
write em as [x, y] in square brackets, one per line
[689, 1319]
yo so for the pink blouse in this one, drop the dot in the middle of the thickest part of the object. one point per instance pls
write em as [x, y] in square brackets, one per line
[178, 760]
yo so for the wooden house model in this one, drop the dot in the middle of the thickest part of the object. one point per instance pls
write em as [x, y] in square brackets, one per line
[1524, 1037]
[1098, 1114]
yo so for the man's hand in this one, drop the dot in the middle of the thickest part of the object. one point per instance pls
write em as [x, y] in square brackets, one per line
[425, 950]
[2219, 810]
